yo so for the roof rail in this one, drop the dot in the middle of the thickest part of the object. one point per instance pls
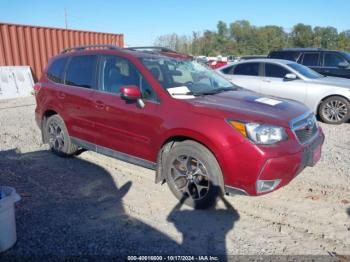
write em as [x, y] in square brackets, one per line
[152, 48]
[159, 50]
[83, 47]
[300, 48]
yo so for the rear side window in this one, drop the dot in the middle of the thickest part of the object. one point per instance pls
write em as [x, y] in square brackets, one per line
[248, 69]
[310, 59]
[227, 70]
[272, 70]
[56, 69]
[81, 71]
[332, 60]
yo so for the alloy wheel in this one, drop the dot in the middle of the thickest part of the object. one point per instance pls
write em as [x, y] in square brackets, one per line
[56, 136]
[190, 177]
[335, 110]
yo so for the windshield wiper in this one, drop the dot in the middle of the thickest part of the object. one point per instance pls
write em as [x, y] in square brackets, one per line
[183, 94]
[215, 91]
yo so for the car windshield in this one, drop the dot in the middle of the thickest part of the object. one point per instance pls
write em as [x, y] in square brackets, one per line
[305, 71]
[187, 74]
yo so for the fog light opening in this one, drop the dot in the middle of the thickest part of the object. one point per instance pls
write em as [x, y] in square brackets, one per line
[263, 186]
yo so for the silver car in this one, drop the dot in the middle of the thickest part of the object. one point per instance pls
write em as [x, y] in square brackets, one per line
[328, 97]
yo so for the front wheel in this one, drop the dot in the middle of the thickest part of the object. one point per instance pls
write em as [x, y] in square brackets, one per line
[334, 110]
[193, 174]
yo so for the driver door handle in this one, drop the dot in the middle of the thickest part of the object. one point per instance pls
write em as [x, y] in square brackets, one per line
[266, 80]
[99, 105]
[61, 95]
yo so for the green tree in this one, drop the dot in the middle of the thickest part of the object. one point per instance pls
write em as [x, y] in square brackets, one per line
[325, 37]
[272, 37]
[242, 38]
[302, 35]
[245, 37]
[222, 39]
[343, 42]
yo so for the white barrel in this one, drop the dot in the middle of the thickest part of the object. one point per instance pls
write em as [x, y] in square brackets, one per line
[8, 235]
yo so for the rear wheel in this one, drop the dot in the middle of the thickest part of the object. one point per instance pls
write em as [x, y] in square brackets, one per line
[193, 174]
[334, 110]
[58, 137]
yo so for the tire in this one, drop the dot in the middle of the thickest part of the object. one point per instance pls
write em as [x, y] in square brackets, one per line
[334, 110]
[58, 137]
[193, 174]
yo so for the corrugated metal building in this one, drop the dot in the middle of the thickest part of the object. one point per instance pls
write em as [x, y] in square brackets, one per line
[34, 45]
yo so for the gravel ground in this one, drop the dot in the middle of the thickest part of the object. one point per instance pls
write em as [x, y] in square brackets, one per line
[96, 205]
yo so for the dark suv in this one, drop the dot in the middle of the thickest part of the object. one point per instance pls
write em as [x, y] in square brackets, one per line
[326, 62]
[162, 110]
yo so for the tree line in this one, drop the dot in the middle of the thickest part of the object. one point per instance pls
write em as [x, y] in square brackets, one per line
[241, 38]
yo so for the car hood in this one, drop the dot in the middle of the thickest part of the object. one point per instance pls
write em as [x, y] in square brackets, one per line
[249, 106]
[334, 81]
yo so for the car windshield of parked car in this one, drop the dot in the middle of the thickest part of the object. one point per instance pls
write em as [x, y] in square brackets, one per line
[198, 79]
[305, 71]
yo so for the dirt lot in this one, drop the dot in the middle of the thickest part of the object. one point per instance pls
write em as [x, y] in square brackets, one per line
[96, 205]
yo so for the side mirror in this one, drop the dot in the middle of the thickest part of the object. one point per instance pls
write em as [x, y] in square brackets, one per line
[130, 93]
[343, 64]
[290, 77]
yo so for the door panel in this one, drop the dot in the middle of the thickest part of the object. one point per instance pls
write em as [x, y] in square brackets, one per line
[248, 82]
[78, 106]
[75, 95]
[123, 125]
[275, 84]
[247, 75]
[295, 89]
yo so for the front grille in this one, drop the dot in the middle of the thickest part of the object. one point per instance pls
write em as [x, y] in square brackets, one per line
[304, 127]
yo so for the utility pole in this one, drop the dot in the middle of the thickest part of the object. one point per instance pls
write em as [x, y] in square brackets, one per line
[65, 18]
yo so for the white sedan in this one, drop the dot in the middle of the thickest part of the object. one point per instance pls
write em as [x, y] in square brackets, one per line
[328, 97]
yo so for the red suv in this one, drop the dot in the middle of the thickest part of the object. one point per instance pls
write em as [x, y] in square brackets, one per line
[162, 110]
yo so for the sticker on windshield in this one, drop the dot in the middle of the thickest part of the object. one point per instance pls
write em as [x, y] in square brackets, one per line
[268, 101]
[180, 92]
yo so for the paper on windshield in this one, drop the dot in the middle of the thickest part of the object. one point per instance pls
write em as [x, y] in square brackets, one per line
[268, 101]
[179, 92]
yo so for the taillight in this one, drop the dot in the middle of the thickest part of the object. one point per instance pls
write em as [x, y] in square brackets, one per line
[37, 88]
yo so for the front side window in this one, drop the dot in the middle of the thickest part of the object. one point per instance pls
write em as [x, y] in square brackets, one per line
[310, 59]
[272, 70]
[81, 71]
[117, 72]
[248, 69]
[305, 71]
[332, 60]
[56, 69]
[198, 79]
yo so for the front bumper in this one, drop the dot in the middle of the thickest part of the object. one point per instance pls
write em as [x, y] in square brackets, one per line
[269, 164]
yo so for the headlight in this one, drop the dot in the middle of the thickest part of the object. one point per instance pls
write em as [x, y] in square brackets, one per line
[260, 133]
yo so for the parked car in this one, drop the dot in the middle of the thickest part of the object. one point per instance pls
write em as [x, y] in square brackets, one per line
[326, 62]
[214, 64]
[201, 134]
[328, 97]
